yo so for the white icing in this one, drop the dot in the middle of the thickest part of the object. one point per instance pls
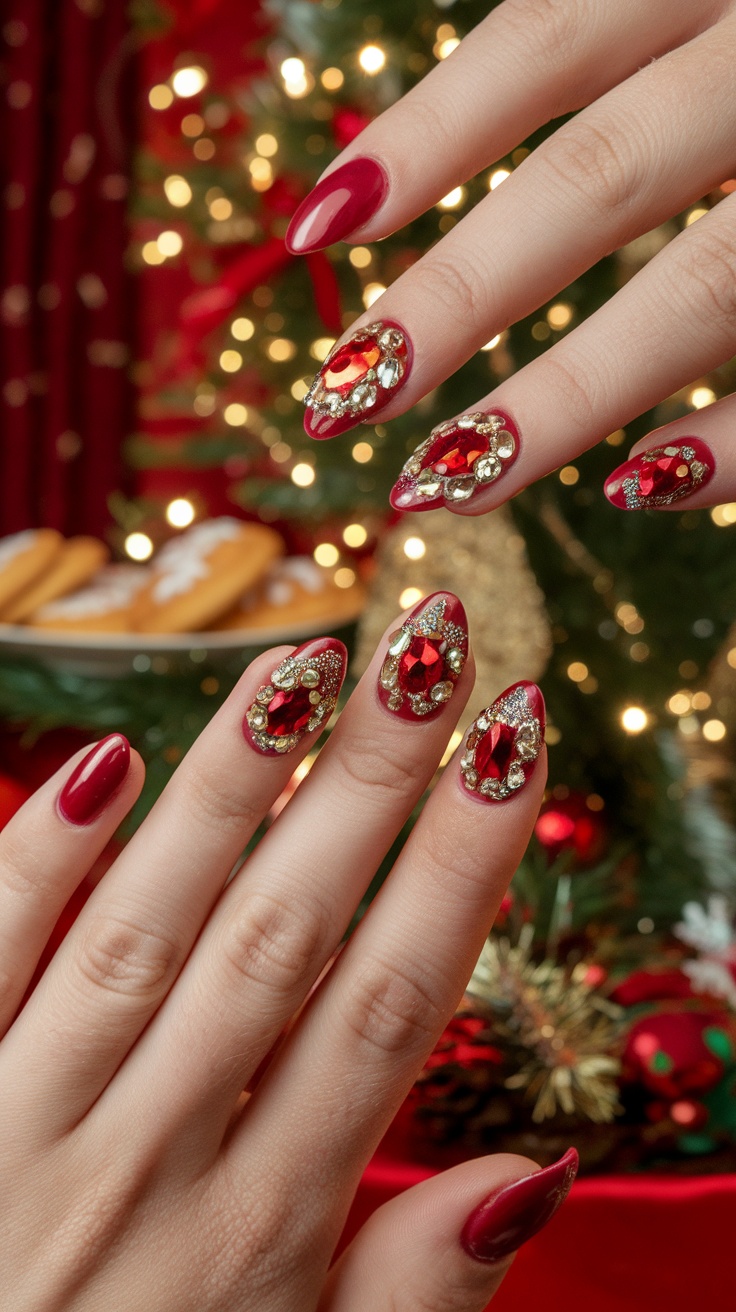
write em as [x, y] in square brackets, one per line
[292, 572]
[183, 561]
[15, 545]
[113, 588]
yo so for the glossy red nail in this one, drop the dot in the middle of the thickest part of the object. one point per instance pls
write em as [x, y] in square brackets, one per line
[503, 744]
[358, 378]
[459, 459]
[300, 696]
[93, 782]
[338, 205]
[507, 1218]
[425, 658]
[661, 475]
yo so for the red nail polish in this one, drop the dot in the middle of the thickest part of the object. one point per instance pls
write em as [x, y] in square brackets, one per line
[661, 475]
[459, 459]
[338, 205]
[300, 696]
[503, 744]
[425, 658]
[506, 1219]
[92, 783]
[358, 378]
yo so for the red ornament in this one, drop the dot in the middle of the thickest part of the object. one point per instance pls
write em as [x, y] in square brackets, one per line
[651, 986]
[12, 796]
[674, 1054]
[568, 825]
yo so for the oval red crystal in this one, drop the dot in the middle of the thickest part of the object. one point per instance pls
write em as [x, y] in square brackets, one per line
[288, 711]
[421, 665]
[495, 751]
[455, 453]
[663, 476]
[350, 365]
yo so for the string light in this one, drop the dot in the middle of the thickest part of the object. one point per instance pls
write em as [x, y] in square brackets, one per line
[151, 253]
[169, 242]
[235, 414]
[280, 349]
[410, 597]
[577, 671]
[180, 512]
[569, 475]
[701, 396]
[695, 214]
[192, 125]
[679, 703]
[321, 347]
[354, 535]
[303, 475]
[490, 346]
[362, 452]
[371, 293]
[372, 59]
[360, 257]
[261, 174]
[203, 149]
[160, 96]
[326, 553]
[344, 577]
[714, 730]
[138, 546]
[497, 177]
[414, 548]
[221, 209]
[242, 329]
[332, 79]
[559, 315]
[297, 81]
[205, 401]
[280, 452]
[634, 719]
[177, 190]
[188, 82]
[724, 515]
[267, 144]
[455, 741]
[299, 389]
[231, 361]
[731, 658]
[617, 438]
[453, 200]
[701, 700]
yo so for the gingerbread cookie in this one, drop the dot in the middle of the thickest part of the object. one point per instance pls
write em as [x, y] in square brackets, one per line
[103, 606]
[77, 562]
[23, 559]
[295, 591]
[198, 576]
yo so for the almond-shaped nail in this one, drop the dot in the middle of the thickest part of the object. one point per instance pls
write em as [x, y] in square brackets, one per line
[459, 459]
[425, 658]
[662, 475]
[92, 783]
[358, 378]
[509, 1217]
[299, 697]
[503, 744]
[338, 205]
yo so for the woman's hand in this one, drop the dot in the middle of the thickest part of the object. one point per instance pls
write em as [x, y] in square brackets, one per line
[655, 84]
[134, 1173]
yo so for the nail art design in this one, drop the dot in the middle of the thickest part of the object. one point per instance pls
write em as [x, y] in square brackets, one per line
[503, 743]
[508, 1218]
[338, 205]
[301, 696]
[459, 458]
[425, 658]
[93, 782]
[661, 475]
[358, 378]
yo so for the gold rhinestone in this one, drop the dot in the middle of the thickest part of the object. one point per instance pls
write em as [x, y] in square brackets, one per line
[315, 697]
[264, 695]
[455, 659]
[471, 778]
[505, 444]
[399, 642]
[310, 678]
[441, 692]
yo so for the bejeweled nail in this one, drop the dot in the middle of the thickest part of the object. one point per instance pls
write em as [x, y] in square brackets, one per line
[425, 658]
[338, 205]
[503, 743]
[299, 697]
[661, 475]
[460, 458]
[509, 1217]
[358, 378]
[94, 780]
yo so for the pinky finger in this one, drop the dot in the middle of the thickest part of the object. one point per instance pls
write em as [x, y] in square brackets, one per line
[448, 1242]
[693, 459]
[47, 849]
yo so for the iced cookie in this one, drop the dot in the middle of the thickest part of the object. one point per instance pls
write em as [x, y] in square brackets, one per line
[199, 576]
[77, 562]
[295, 591]
[23, 559]
[103, 606]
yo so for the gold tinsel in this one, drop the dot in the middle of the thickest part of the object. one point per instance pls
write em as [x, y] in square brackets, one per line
[483, 560]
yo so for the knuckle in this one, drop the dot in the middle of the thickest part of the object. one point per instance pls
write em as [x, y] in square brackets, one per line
[120, 956]
[600, 161]
[391, 1010]
[550, 27]
[573, 386]
[214, 803]
[703, 274]
[458, 285]
[24, 873]
[268, 942]
[370, 763]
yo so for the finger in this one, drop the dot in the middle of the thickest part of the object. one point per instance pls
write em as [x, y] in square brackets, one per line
[47, 849]
[448, 1242]
[521, 66]
[675, 320]
[601, 180]
[134, 934]
[284, 916]
[355, 1053]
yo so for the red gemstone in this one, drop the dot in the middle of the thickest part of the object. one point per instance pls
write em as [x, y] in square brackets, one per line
[421, 665]
[495, 751]
[289, 710]
[663, 476]
[455, 453]
[351, 363]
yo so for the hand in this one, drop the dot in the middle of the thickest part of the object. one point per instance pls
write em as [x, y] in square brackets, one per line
[655, 86]
[134, 1173]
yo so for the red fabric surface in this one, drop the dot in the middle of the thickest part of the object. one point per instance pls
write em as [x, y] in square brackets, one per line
[644, 1243]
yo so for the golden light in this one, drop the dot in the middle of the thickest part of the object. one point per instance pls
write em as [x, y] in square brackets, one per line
[242, 329]
[297, 81]
[266, 144]
[205, 401]
[203, 149]
[261, 174]
[444, 48]
[559, 315]
[231, 361]
[679, 703]
[138, 546]
[371, 293]
[221, 209]
[701, 700]
[280, 452]
[688, 725]
[701, 396]
[414, 548]
[372, 59]
[453, 200]
[360, 257]
[344, 577]
[192, 125]
[299, 389]
[714, 731]
[490, 346]
[696, 213]
[616, 438]
[189, 81]
[634, 719]
[569, 475]
[303, 475]
[362, 452]
[731, 658]
[169, 242]
[451, 748]
[326, 553]
[280, 349]
[410, 597]
[577, 671]
[639, 651]
[497, 177]
[177, 190]
[354, 535]
[235, 414]
[151, 253]
[180, 512]
[160, 96]
[724, 515]
[332, 79]
[321, 347]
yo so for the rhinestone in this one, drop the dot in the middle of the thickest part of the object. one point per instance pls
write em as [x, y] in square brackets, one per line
[505, 444]
[388, 677]
[441, 692]
[350, 364]
[310, 678]
[315, 697]
[264, 695]
[395, 700]
[486, 469]
[428, 486]
[392, 340]
[466, 421]
[697, 469]
[496, 750]
[471, 778]
[288, 712]
[455, 659]
[515, 777]
[257, 719]
[388, 373]
[399, 642]
[664, 476]
[459, 489]
[420, 665]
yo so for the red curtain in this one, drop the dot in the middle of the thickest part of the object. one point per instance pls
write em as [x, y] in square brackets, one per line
[66, 133]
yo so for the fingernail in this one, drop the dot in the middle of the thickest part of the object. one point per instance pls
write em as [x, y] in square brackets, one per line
[507, 1218]
[459, 459]
[661, 475]
[299, 697]
[503, 744]
[93, 782]
[358, 378]
[338, 205]
[425, 658]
